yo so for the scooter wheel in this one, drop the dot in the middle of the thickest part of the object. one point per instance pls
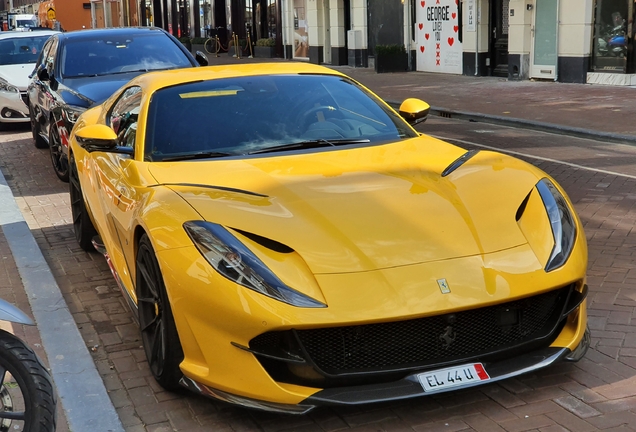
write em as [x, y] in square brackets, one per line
[27, 396]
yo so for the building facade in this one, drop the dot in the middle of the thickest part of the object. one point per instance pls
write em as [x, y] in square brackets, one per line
[563, 40]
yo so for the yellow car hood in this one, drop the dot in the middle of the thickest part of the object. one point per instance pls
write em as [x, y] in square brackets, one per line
[363, 209]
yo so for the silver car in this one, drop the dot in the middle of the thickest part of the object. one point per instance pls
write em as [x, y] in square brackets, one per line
[18, 53]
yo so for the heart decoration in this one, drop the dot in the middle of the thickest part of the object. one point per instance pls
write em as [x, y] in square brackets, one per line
[455, 28]
[423, 3]
[426, 35]
[454, 15]
[451, 41]
[421, 26]
[422, 48]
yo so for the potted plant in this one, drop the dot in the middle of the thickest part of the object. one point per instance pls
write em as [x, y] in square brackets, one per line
[265, 47]
[390, 58]
[198, 44]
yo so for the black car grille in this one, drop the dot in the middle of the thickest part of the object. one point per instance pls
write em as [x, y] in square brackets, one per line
[437, 340]
[25, 98]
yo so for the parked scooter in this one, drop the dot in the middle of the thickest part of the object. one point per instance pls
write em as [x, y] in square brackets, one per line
[612, 41]
[27, 396]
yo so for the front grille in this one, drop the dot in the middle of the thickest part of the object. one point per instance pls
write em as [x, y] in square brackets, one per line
[421, 342]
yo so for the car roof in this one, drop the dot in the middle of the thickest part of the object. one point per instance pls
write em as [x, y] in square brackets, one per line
[110, 32]
[18, 34]
[153, 81]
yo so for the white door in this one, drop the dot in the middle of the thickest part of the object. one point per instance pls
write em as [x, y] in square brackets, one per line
[544, 39]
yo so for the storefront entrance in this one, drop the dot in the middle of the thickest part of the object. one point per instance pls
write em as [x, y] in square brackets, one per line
[544, 39]
[499, 41]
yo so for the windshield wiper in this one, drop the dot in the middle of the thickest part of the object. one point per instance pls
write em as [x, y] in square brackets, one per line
[310, 144]
[198, 155]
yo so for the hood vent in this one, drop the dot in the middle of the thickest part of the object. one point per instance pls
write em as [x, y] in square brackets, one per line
[265, 242]
[459, 162]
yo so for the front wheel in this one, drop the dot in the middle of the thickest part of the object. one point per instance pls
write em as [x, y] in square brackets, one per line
[27, 398]
[82, 224]
[38, 141]
[158, 330]
[58, 158]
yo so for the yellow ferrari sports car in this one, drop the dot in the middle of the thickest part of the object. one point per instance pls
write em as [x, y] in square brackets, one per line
[287, 240]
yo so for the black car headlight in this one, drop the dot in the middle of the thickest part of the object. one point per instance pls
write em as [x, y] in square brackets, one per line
[6, 87]
[233, 260]
[71, 113]
[561, 221]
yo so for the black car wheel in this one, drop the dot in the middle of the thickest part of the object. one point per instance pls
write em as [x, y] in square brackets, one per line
[82, 224]
[158, 330]
[38, 141]
[58, 158]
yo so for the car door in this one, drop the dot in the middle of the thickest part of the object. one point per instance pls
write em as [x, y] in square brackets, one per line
[41, 95]
[119, 189]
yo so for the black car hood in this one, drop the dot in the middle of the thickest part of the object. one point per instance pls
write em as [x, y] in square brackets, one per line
[88, 91]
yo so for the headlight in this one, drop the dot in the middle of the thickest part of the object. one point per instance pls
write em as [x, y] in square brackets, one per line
[71, 113]
[6, 87]
[235, 261]
[561, 221]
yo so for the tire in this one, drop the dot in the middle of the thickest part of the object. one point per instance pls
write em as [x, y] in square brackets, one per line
[82, 223]
[38, 141]
[158, 330]
[34, 386]
[58, 159]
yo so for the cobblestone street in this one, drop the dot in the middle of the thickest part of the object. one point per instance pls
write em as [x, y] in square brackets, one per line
[598, 393]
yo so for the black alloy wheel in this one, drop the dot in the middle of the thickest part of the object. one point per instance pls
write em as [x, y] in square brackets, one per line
[82, 224]
[38, 141]
[58, 158]
[158, 330]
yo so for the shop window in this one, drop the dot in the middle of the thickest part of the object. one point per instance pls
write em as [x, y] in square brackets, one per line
[610, 51]
[301, 30]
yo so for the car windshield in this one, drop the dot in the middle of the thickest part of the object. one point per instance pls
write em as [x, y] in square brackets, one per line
[257, 114]
[21, 50]
[119, 54]
[25, 23]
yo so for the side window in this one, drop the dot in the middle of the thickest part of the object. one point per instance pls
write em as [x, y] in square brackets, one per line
[44, 54]
[50, 55]
[124, 114]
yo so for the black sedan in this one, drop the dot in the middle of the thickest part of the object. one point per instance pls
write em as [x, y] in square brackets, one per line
[80, 69]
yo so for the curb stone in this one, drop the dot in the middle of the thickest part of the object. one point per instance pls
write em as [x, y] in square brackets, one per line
[528, 124]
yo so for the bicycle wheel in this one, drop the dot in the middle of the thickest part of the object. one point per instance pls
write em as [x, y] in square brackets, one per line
[212, 42]
[27, 398]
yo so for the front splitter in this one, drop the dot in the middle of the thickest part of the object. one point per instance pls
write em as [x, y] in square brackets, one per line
[410, 386]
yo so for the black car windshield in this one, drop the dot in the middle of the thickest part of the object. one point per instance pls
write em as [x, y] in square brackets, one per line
[98, 56]
[258, 114]
[21, 50]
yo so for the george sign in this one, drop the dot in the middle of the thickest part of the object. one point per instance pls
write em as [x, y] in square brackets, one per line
[437, 36]
[471, 15]
[50, 14]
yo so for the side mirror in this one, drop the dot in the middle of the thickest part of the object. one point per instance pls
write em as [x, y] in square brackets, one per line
[43, 74]
[201, 58]
[414, 111]
[100, 138]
